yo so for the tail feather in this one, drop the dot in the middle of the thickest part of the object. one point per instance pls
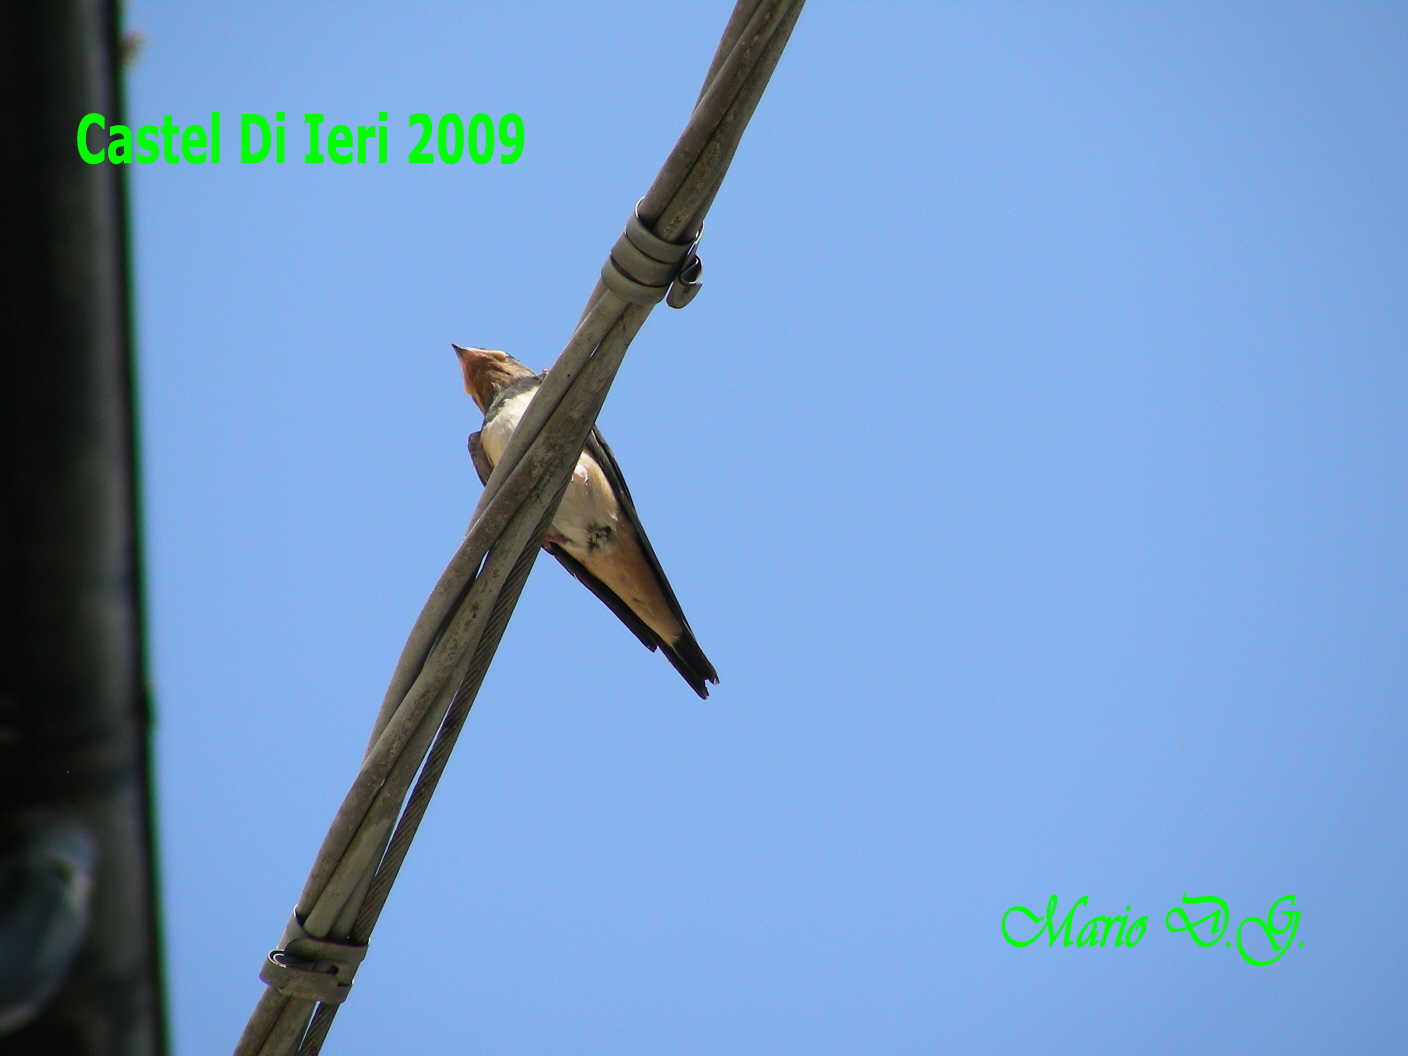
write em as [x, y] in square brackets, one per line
[689, 660]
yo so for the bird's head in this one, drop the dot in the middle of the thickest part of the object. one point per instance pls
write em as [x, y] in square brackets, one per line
[486, 371]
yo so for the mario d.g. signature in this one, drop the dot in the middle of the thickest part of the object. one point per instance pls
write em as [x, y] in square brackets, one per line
[1206, 918]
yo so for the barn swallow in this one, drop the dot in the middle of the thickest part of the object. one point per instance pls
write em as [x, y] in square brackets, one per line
[596, 533]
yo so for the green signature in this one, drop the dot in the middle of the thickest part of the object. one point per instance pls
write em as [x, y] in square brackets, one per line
[1206, 930]
[1221, 917]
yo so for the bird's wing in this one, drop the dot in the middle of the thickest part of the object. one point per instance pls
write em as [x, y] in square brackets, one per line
[624, 612]
[482, 465]
[598, 449]
[684, 652]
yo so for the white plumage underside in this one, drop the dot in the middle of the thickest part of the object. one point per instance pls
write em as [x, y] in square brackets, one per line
[588, 500]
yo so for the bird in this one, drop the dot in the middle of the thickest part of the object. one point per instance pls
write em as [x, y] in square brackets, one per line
[596, 532]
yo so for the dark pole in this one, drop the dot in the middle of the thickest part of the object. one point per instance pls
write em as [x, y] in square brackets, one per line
[80, 959]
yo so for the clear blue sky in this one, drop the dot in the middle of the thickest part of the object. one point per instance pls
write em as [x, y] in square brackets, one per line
[1031, 468]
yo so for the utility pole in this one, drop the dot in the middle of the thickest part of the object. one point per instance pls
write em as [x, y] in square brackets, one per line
[80, 958]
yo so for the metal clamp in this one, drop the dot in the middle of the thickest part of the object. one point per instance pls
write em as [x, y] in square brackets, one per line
[312, 969]
[645, 269]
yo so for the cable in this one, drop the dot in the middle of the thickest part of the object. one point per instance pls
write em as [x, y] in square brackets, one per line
[453, 641]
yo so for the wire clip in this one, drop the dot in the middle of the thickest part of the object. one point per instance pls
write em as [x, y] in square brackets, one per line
[645, 269]
[311, 969]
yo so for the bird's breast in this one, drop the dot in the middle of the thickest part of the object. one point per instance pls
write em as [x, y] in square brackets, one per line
[589, 517]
